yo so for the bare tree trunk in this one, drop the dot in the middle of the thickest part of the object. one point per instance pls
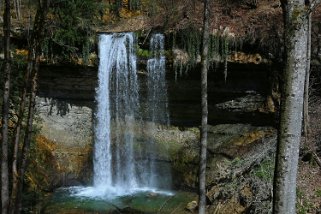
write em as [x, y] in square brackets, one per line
[28, 136]
[34, 49]
[306, 119]
[19, 8]
[296, 28]
[15, 174]
[16, 4]
[16, 141]
[1, 18]
[5, 110]
[203, 146]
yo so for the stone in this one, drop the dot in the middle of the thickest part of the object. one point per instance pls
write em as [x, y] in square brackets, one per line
[64, 123]
[191, 206]
[248, 103]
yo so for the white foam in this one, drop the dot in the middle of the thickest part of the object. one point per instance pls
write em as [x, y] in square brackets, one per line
[108, 193]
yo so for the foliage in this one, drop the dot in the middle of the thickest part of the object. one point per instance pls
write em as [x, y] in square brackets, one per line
[18, 68]
[265, 171]
[71, 27]
[143, 53]
[115, 6]
[40, 174]
[221, 42]
[127, 8]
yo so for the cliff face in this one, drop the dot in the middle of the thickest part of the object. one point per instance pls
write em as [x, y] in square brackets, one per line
[66, 105]
[249, 94]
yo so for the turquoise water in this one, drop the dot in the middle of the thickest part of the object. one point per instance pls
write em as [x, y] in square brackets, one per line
[63, 202]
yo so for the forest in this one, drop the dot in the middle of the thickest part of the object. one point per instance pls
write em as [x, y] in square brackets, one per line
[160, 106]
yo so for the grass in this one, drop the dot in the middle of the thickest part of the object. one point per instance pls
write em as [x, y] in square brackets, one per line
[265, 171]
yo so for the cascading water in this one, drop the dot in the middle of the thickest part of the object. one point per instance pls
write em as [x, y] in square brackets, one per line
[157, 91]
[117, 98]
[157, 104]
[121, 165]
[102, 159]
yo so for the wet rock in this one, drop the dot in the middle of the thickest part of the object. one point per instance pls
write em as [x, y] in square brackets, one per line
[237, 144]
[191, 206]
[231, 206]
[232, 150]
[248, 103]
[180, 57]
[64, 123]
[245, 195]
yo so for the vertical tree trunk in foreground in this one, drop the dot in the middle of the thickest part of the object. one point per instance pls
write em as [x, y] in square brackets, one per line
[306, 119]
[5, 111]
[16, 141]
[296, 28]
[203, 143]
[35, 48]
[27, 139]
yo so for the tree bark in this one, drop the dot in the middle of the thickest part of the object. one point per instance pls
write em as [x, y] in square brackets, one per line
[15, 173]
[203, 141]
[5, 110]
[1, 18]
[296, 28]
[18, 129]
[306, 119]
[34, 49]
[17, 5]
[28, 136]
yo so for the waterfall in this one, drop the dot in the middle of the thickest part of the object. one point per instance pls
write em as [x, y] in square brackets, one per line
[157, 106]
[117, 104]
[157, 91]
[102, 159]
[122, 165]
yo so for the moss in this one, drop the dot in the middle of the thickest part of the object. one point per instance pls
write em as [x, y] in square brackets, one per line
[50, 161]
[298, 13]
[41, 174]
[265, 171]
[43, 166]
[185, 166]
[142, 53]
[248, 138]
[189, 40]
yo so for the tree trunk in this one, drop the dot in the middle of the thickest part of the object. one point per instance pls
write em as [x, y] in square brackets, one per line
[203, 141]
[1, 18]
[34, 49]
[15, 173]
[306, 119]
[28, 135]
[5, 111]
[296, 28]
[17, 6]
